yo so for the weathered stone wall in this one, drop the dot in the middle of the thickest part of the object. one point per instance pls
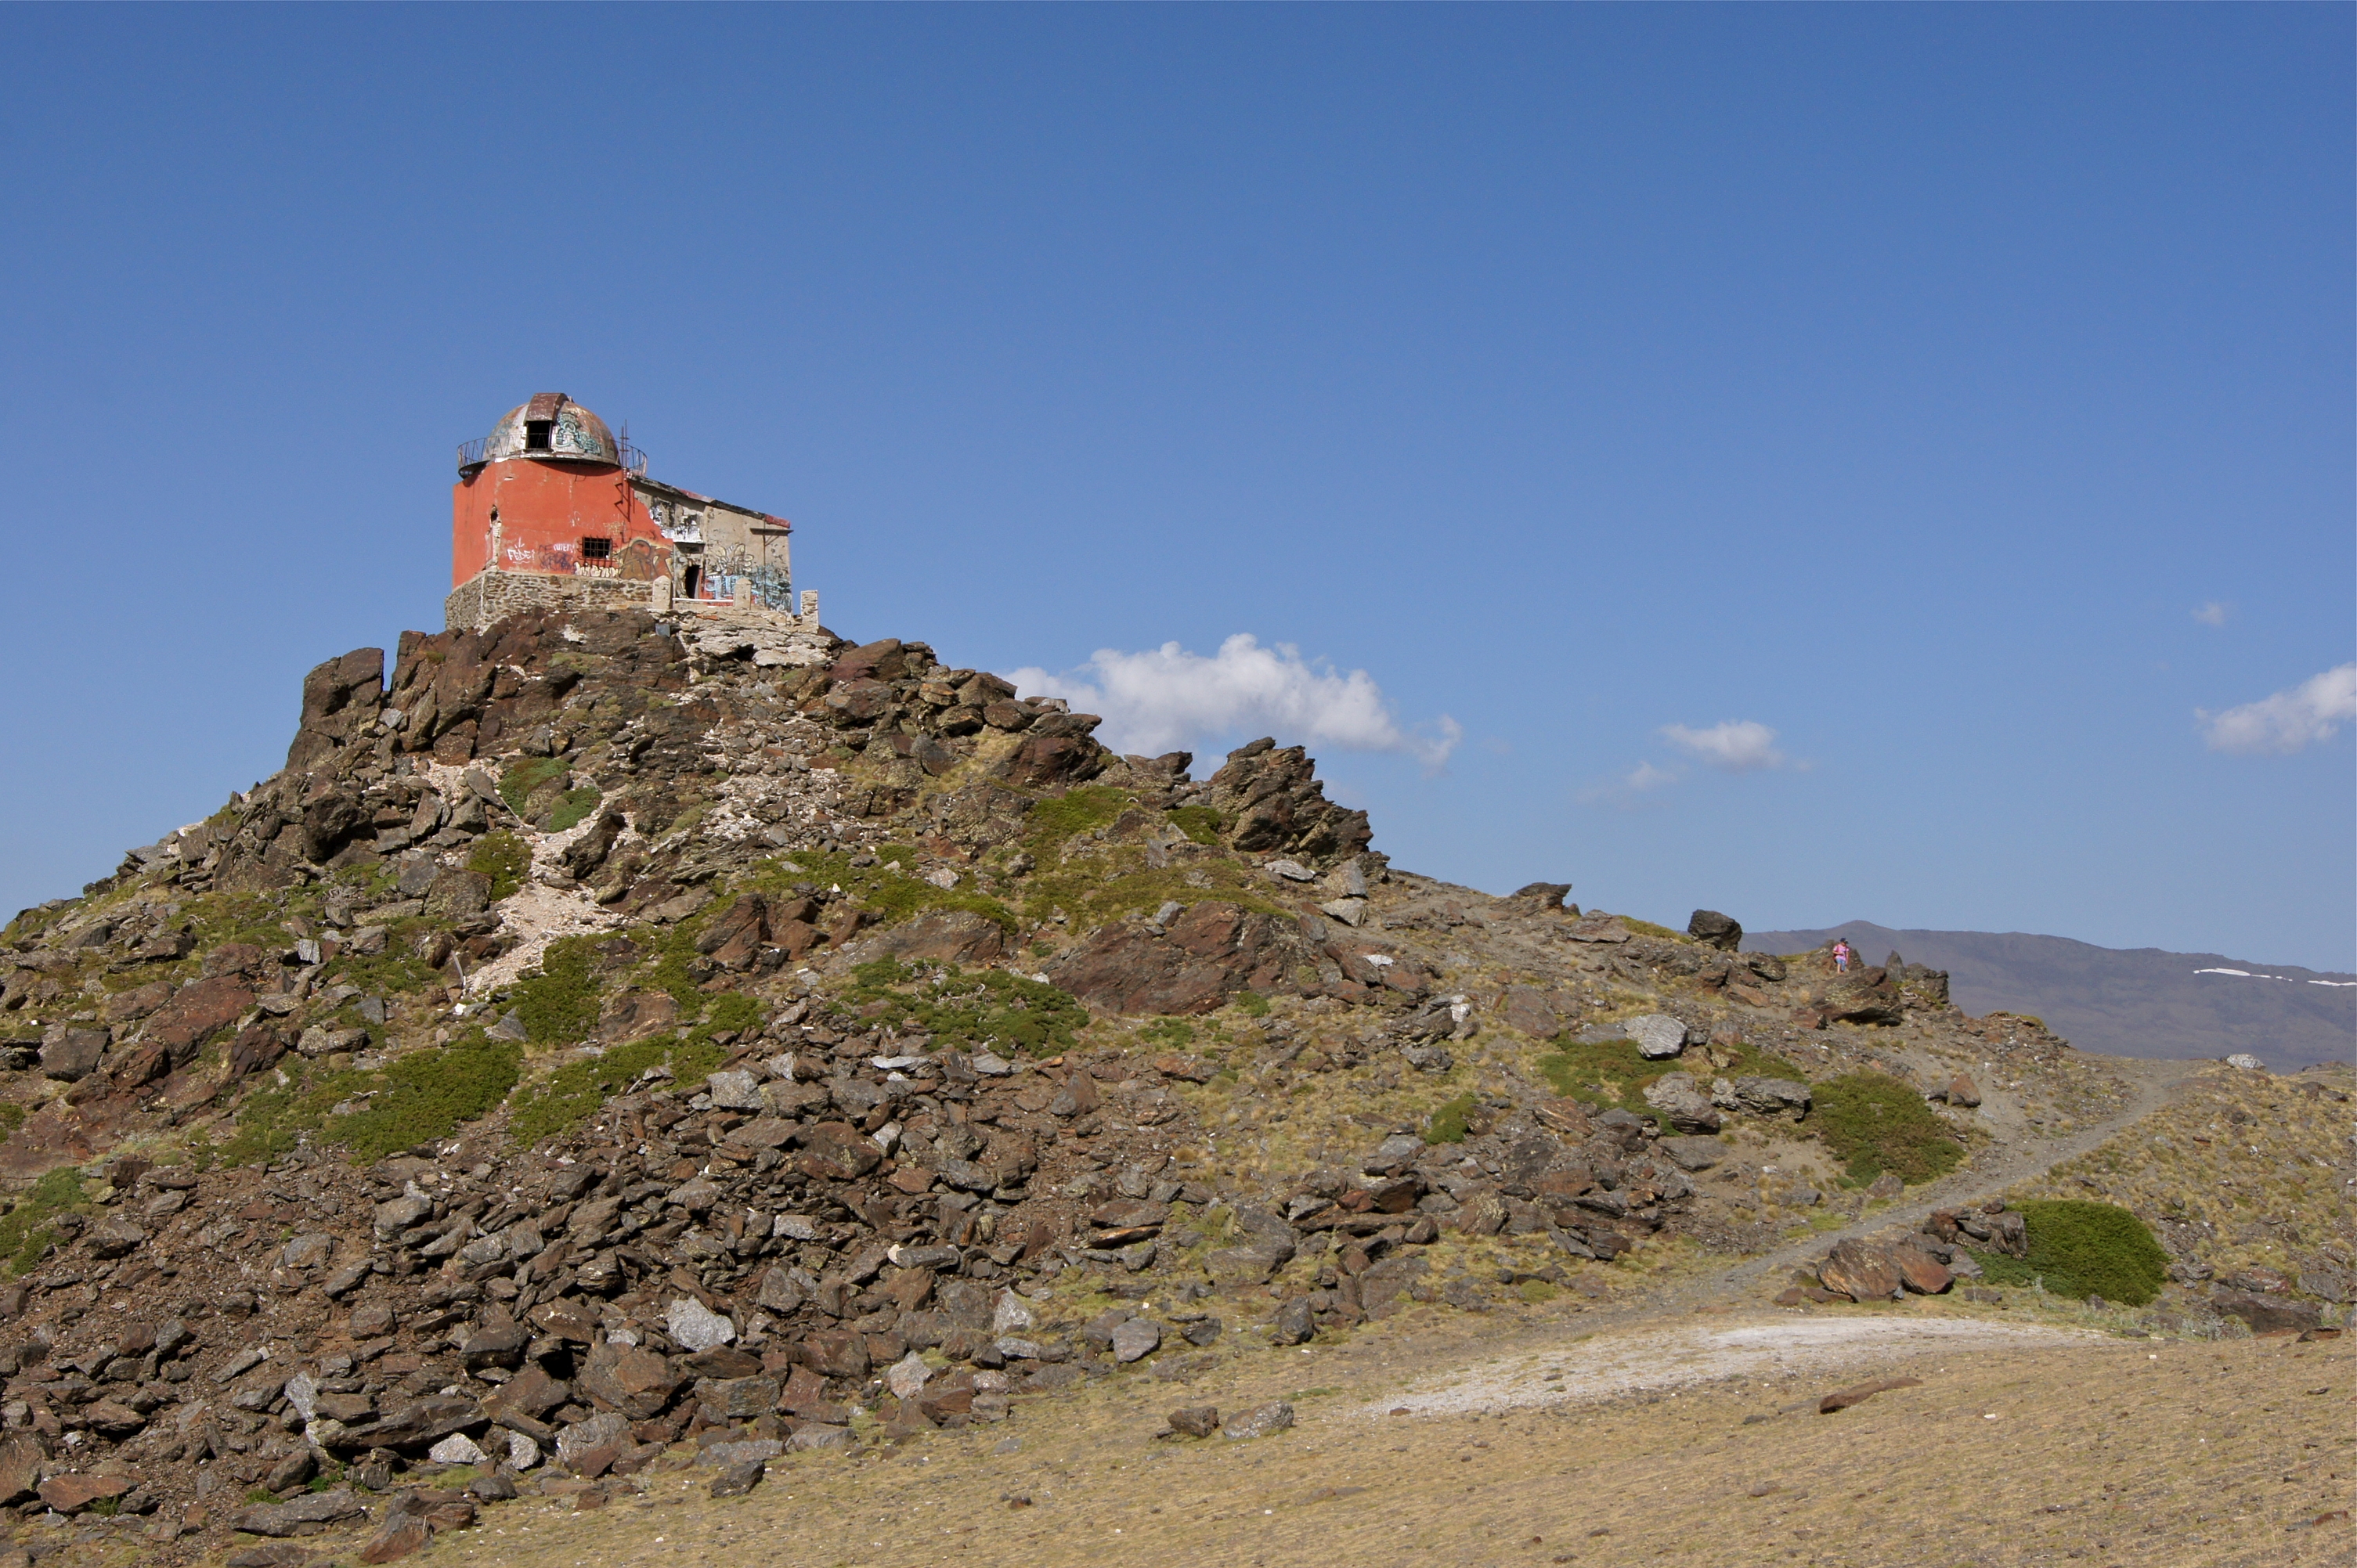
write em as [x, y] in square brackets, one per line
[487, 596]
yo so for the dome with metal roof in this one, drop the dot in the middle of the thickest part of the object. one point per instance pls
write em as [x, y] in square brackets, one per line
[551, 425]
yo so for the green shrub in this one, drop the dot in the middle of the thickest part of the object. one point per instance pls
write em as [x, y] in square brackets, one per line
[1876, 1123]
[895, 894]
[1201, 823]
[1174, 1033]
[572, 1094]
[422, 1096]
[1447, 1124]
[524, 776]
[12, 1116]
[557, 1000]
[502, 857]
[25, 1232]
[1051, 821]
[1251, 1003]
[570, 808]
[976, 1010]
[2079, 1249]
[427, 1094]
[732, 1011]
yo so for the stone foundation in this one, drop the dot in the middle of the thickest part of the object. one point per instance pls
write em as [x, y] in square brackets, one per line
[489, 596]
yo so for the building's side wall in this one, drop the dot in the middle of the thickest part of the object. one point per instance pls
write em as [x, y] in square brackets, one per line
[728, 546]
[545, 509]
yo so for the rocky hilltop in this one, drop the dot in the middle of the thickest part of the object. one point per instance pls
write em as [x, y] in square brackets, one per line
[611, 1044]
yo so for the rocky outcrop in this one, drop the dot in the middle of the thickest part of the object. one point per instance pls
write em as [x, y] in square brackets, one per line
[1271, 804]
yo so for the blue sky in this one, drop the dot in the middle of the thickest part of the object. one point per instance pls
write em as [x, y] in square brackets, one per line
[1819, 464]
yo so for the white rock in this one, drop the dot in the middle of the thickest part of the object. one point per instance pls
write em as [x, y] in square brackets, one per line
[991, 1066]
[796, 1228]
[1011, 1314]
[696, 1326]
[2247, 1062]
[303, 1394]
[522, 1452]
[735, 1091]
[1291, 870]
[907, 1375]
[1658, 1035]
[943, 879]
[1138, 1337]
[457, 1449]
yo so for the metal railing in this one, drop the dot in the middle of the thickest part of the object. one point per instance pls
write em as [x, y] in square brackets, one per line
[471, 455]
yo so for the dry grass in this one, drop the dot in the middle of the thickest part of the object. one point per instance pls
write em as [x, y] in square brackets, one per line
[2104, 1451]
[2264, 1191]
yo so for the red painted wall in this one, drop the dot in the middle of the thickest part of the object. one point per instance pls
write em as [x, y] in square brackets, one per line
[545, 510]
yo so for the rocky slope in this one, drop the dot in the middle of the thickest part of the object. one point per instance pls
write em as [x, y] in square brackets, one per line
[606, 1037]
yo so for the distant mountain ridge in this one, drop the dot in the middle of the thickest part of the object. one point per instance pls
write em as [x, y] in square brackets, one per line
[2134, 1002]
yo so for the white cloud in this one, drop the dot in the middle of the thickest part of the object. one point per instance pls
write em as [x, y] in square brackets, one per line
[1629, 790]
[1739, 745]
[1166, 698]
[2213, 613]
[2287, 722]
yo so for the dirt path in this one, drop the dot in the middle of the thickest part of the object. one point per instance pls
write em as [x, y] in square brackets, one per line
[2156, 1084]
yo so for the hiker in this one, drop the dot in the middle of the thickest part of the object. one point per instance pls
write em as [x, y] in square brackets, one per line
[1841, 955]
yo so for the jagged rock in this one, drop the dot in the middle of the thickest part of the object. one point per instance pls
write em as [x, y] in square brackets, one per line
[1270, 803]
[638, 1382]
[1866, 996]
[1689, 1110]
[288, 1518]
[70, 1054]
[1201, 960]
[421, 1421]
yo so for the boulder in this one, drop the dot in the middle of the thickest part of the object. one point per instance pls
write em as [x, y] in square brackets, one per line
[1771, 1096]
[72, 1494]
[637, 1382]
[1658, 1035]
[1694, 1153]
[1712, 928]
[1919, 1271]
[70, 1052]
[1259, 1422]
[2265, 1312]
[1688, 1109]
[420, 1420]
[1195, 1420]
[1862, 1271]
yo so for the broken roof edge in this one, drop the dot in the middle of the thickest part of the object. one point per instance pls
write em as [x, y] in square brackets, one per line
[683, 493]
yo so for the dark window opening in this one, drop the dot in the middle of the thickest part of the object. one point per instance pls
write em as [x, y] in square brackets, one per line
[690, 579]
[596, 550]
[535, 434]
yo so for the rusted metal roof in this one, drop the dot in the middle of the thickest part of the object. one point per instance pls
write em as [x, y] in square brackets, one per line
[544, 405]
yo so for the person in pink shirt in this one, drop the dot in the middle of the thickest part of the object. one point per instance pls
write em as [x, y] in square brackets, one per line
[1841, 955]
